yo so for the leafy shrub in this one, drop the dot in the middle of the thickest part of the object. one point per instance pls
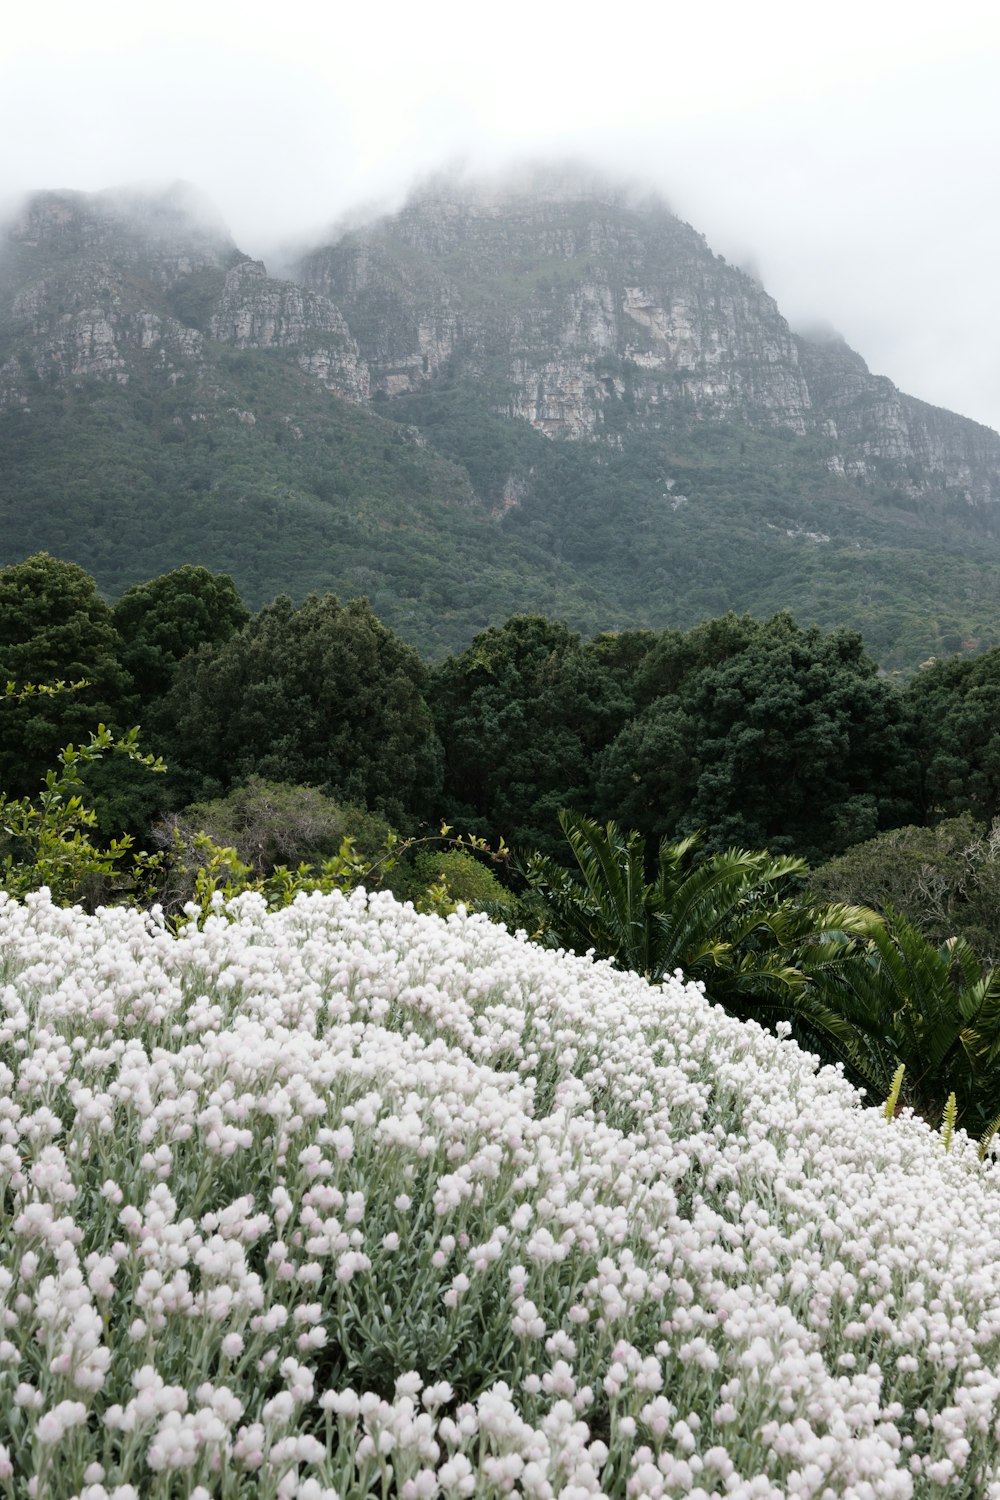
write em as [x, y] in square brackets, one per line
[272, 823]
[454, 875]
[48, 840]
[945, 880]
[198, 871]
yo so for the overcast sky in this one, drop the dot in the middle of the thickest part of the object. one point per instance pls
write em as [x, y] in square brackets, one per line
[849, 152]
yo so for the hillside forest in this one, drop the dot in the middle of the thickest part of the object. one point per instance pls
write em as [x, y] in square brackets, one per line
[461, 414]
[286, 731]
[749, 805]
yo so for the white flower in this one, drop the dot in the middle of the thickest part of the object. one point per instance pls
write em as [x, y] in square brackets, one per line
[653, 1196]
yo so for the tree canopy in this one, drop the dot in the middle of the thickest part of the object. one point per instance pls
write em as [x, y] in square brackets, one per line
[54, 626]
[955, 705]
[762, 734]
[324, 695]
[162, 621]
[522, 714]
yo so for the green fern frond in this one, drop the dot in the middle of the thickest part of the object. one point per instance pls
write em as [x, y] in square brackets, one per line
[893, 1097]
[948, 1120]
[987, 1136]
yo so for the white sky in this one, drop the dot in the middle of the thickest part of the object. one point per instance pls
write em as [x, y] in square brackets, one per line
[849, 151]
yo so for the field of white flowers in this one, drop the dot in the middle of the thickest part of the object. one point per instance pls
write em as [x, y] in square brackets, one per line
[346, 1201]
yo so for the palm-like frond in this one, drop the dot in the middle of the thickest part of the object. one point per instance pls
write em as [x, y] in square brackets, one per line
[723, 919]
[987, 1136]
[980, 1037]
[722, 900]
[614, 875]
[927, 1007]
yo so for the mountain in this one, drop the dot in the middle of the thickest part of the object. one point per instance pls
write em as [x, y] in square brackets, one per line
[599, 316]
[554, 398]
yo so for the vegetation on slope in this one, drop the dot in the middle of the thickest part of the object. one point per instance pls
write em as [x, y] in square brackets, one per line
[449, 519]
[339, 1198]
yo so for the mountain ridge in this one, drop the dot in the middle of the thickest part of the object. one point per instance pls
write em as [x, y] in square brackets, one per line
[654, 312]
[475, 406]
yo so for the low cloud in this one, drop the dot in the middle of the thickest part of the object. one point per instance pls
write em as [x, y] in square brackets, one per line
[857, 180]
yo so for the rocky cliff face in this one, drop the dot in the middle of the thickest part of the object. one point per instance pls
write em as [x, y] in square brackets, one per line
[557, 399]
[82, 284]
[103, 285]
[585, 314]
[878, 433]
[592, 316]
[254, 311]
[580, 309]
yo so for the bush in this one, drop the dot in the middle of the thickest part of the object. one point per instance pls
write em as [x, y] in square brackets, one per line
[50, 839]
[945, 880]
[272, 823]
[457, 877]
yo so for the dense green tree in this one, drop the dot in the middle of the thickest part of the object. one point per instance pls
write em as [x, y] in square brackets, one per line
[955, 708]
[623, 653]
[324, 695]
[522, 714]
[162, 621]
[54, 626]
[945, 880]
[159, 623]
[790, 741]
[674, 655]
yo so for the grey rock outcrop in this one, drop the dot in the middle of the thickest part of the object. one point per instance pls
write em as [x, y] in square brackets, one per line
[574, 306]
[255, 311]
[880, 434]
[592, 315]
[104, 285]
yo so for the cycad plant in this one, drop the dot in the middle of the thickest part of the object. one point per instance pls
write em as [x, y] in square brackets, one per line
[874, 994]
[727, 919]
[905, 1001]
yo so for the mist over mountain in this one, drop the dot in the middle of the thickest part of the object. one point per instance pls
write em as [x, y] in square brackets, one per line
[545, 393]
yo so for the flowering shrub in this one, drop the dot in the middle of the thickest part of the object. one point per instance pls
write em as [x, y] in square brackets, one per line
[340, 1200]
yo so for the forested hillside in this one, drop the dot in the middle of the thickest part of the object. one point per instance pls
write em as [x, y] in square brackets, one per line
[560, 403]
[753, 733]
